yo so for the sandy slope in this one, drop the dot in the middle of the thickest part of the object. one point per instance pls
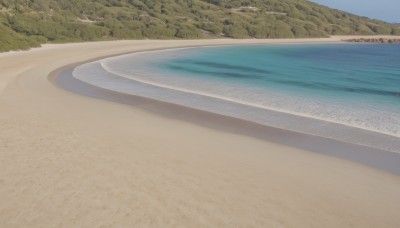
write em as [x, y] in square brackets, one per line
[72, 161]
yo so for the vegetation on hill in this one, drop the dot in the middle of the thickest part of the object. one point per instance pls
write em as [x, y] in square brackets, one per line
[27, 23]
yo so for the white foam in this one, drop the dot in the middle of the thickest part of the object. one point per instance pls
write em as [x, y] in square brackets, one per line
[355, 115]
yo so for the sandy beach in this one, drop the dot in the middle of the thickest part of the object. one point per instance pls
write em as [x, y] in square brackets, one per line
[68, 160]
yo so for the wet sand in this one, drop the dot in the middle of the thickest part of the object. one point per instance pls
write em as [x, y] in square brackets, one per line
[376, 158]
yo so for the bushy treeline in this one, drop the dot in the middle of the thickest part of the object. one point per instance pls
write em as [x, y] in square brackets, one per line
[27, 23]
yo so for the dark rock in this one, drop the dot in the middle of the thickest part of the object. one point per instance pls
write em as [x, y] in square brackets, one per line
[374, 40]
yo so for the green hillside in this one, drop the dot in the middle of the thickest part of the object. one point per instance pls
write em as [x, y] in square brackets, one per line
[27, 23]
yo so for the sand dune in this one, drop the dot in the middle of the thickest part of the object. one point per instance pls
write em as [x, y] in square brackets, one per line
[73, 161]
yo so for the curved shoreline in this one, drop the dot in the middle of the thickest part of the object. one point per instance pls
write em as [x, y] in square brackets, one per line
[73, 160]
[373, 157]
[269, 116]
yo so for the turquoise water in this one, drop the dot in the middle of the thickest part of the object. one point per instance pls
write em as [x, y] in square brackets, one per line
[351, 84]
[348, 92]
[368, 74]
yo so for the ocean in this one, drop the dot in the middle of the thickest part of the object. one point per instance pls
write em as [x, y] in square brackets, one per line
[348, 92]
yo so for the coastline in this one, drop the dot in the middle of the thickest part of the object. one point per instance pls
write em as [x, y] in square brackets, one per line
[68, 159]
[377, 158]
[99, 74]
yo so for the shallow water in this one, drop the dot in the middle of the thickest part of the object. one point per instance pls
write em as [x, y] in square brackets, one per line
[337, 87]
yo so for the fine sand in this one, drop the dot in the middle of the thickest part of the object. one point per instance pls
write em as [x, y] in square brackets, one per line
[68, 160]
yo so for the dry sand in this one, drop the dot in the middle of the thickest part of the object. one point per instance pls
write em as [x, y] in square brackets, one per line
[73, 161]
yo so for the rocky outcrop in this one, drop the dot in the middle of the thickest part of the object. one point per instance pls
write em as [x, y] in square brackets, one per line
[375, 40]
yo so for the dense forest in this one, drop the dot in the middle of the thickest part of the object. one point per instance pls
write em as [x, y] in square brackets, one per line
[28, 23]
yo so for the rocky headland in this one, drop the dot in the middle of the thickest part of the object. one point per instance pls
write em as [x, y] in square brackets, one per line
[375, 40]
